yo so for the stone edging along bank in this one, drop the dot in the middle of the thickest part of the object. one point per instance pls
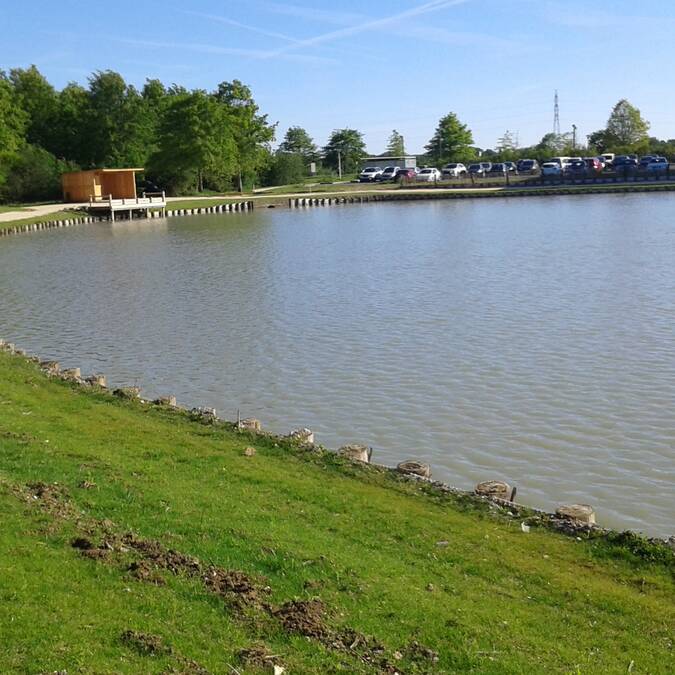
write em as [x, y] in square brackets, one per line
[496, 496]
[83, 220]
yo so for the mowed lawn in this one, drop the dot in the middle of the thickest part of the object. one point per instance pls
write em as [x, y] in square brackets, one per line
[118, 520]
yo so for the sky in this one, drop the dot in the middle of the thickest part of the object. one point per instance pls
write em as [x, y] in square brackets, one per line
[375, 67]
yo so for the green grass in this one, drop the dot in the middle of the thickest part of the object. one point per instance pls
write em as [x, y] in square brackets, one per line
[493, 600]
[66, 214]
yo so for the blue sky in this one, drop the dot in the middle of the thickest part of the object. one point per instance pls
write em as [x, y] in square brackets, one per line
[377, 66]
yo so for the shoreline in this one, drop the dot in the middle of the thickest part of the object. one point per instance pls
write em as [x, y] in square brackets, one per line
[498, 501]
[217, 205]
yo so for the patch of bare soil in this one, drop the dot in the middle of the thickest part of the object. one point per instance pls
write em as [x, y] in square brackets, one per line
[305, 617]
[145, 644]
[257, 657]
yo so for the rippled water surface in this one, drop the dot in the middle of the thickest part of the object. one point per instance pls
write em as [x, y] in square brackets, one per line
[526, 339]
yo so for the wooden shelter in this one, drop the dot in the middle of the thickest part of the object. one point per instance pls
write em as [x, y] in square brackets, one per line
[99, 184]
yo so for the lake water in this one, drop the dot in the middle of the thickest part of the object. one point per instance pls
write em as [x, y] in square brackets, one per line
[531, 340]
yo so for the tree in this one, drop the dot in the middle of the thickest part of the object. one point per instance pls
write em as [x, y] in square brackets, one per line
[299, 142]
[507, 146]
[252, 133]
[196, 144]
[13, 121]
[71, 141]
[451, 141]
[395, 145]
[625, 126]
[345, 148]
[38, 99]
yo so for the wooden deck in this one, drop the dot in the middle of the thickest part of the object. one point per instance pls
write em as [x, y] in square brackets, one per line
[146, 203]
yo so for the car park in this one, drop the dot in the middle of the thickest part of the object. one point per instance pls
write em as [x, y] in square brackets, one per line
[453, 170]
[429, 175]
[388, 173]
[369, 174]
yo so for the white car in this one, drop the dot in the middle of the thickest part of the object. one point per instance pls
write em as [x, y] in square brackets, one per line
[369, 174]
[454, 170]
[429, 175]
[551, 169]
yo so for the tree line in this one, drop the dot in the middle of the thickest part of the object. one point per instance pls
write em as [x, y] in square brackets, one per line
[194, 140]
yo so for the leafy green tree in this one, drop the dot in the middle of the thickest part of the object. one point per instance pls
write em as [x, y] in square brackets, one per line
[299, 142]
[346, 148]
[451, 141]
[71, 141]
[395, 145]
[251, 131]
[38, 99]
[625, 126]
[117, 126]
[196, 145]
[13, 122]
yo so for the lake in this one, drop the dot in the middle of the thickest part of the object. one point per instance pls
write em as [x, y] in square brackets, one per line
[530, 340]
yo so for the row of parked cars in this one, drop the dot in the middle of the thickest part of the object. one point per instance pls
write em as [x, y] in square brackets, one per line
[556, 166]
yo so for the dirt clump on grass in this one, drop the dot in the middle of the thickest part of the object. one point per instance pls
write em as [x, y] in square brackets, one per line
[145, 643]
[142, 570]
[305, 617]
[257, 657]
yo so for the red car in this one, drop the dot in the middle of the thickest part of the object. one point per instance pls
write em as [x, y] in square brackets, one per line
[405, 174]
[593, 165]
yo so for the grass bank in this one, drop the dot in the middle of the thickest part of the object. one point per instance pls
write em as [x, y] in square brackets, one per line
[135, 539]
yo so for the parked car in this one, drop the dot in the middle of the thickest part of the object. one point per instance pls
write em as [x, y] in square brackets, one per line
[658, 165]
[593, 165]
[576, 168]
[528, 166]
[498, 169]
[369, 174]
[511, 167]
[405, 174]
[487, 166]
[608, 157]
[388, 173]
[625, 163]
[429, 175]
[477, 170]
[644, 161]
[454, 170]
[551, 169]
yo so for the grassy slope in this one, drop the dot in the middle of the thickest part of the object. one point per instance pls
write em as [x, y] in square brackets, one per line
[500, 601]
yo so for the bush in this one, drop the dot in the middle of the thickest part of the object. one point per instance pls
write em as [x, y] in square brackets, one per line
[286, 168]
[33, 174]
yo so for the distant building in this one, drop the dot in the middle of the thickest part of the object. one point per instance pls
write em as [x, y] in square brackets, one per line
[405, 162]
[81, 186]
